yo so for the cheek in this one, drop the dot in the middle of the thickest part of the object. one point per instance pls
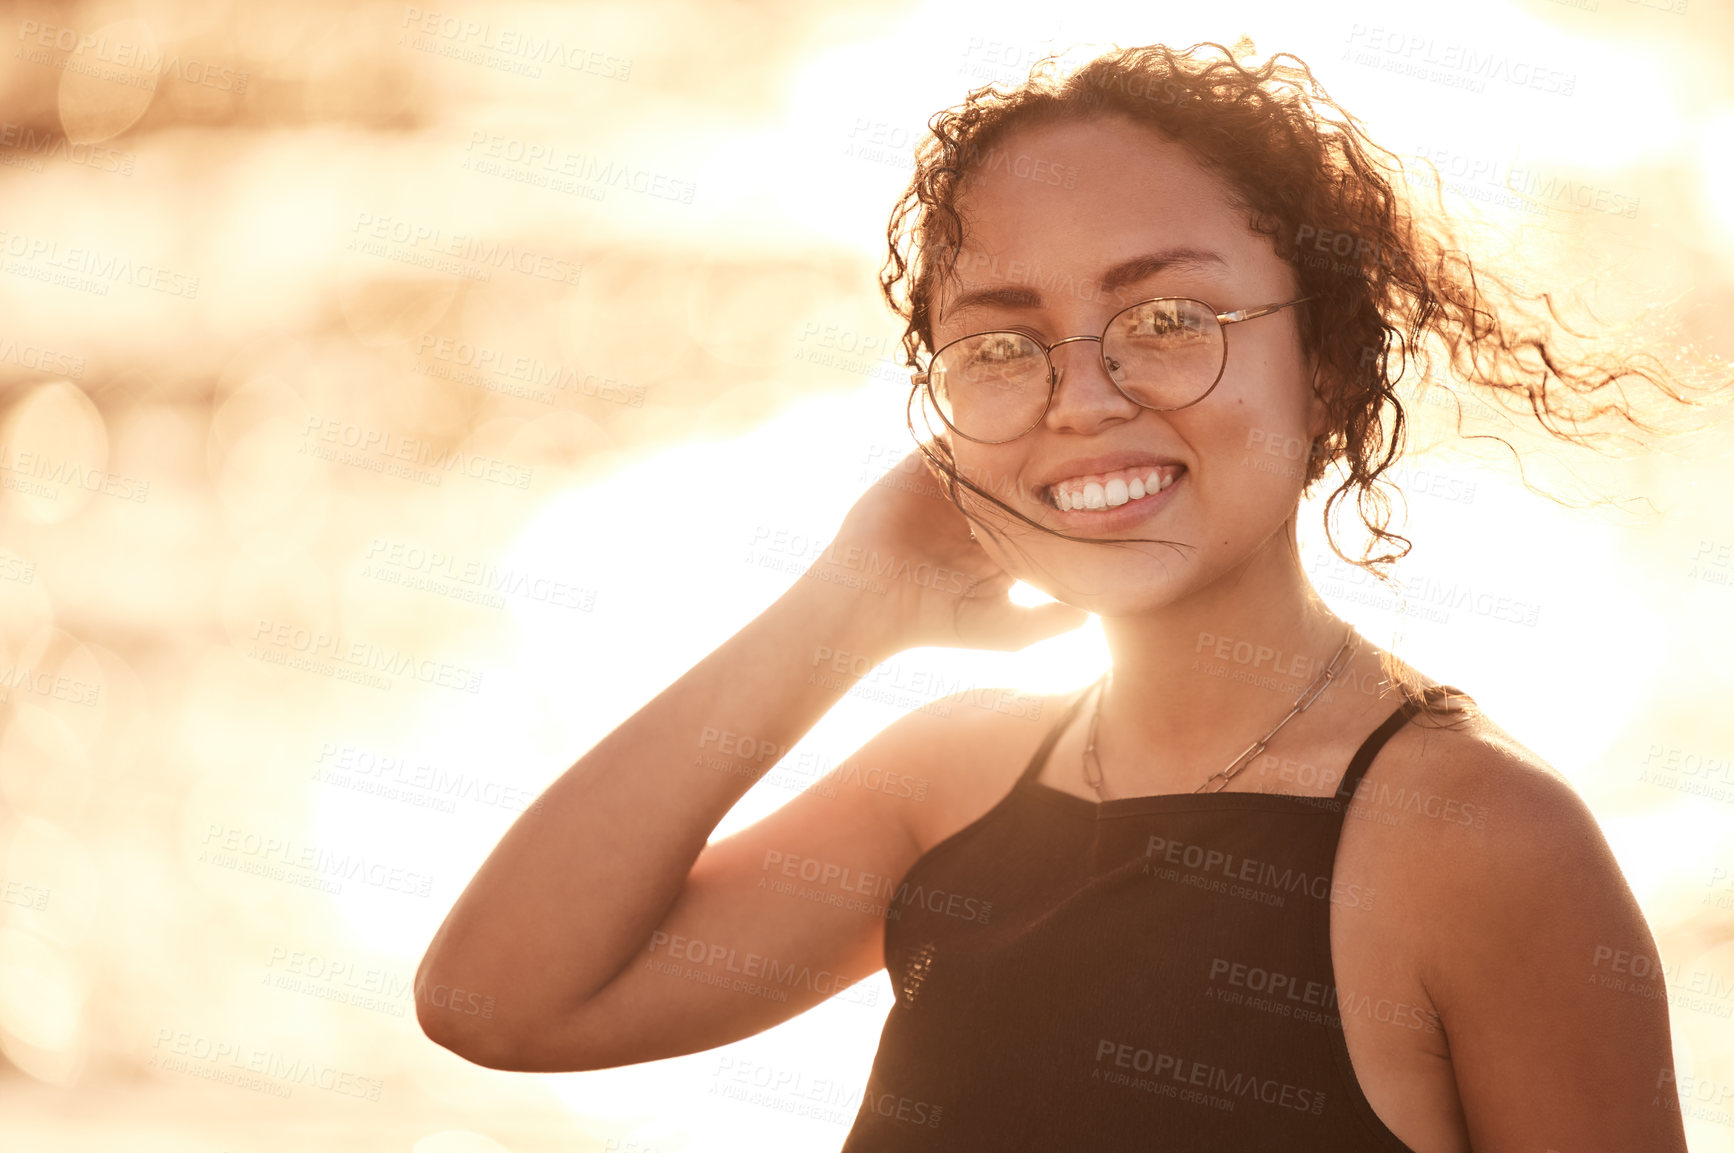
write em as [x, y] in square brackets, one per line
[1262, 451]
[993, 473]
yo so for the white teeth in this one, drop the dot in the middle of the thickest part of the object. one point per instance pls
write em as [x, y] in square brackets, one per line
[1069, 496]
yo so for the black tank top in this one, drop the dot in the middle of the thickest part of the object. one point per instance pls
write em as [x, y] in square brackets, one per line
[1146, 973]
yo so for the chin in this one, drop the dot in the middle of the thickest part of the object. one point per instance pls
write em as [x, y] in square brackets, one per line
[1108, 580]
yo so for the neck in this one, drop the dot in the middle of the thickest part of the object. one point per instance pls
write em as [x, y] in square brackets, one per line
[1197, 681]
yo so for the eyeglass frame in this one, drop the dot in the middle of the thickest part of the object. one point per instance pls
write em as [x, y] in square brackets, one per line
[924, 378]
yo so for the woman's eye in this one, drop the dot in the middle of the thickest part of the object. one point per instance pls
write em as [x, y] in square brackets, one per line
[1006, 348]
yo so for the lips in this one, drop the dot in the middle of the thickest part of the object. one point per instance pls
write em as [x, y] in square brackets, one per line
[1111, 520]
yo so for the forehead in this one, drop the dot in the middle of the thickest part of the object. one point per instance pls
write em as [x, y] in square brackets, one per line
[1078, 197]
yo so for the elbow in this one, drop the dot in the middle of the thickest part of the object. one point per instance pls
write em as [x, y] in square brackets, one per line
[456, 1017]
[480, 1042]
[516, 1032]
[465, 1023]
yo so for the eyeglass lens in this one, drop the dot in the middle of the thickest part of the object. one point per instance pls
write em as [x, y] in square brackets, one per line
[1161, 353]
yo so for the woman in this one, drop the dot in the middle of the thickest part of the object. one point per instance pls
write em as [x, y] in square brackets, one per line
[1130, 925]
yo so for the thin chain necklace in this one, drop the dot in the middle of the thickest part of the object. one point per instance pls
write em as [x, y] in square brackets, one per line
[1301, 704]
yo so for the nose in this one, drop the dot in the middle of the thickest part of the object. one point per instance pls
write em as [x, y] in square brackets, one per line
[1085, 396]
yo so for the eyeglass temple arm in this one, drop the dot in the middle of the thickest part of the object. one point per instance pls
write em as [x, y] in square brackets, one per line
[1254, 313]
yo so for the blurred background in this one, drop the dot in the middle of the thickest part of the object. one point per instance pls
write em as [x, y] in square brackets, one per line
[394, 398]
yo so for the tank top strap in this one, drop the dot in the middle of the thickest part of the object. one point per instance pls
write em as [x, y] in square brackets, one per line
[1034, 768]
[1363, 758]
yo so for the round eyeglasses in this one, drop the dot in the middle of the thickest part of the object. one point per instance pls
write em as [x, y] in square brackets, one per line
[1164, 353]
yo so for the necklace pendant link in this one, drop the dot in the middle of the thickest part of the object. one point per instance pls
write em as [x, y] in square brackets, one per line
[1351, 645]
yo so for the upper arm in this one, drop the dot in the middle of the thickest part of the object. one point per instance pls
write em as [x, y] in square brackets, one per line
[772, 919]
[1551, 1046]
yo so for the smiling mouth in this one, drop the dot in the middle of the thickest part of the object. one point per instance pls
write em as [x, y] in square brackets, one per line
[1104, 491]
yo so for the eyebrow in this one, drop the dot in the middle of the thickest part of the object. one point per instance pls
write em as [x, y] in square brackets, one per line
[1124, 273]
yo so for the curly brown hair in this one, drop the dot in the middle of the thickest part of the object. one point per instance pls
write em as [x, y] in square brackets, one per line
[1300, 168]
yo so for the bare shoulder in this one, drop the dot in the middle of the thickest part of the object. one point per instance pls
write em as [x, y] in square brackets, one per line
[1487, 851]
[1473, 804]
[970, 748]
[1518, 918]
[1483, 791]
[1463, 770]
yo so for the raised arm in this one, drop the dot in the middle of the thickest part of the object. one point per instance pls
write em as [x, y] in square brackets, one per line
[553, 930]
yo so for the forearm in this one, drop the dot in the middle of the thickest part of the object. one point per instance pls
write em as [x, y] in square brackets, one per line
[584, 876]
